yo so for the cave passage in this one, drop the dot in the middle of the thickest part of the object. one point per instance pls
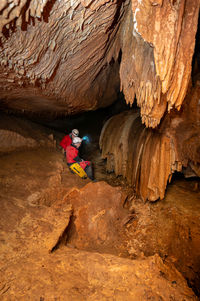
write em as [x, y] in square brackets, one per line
[134, 233]
[107, 219]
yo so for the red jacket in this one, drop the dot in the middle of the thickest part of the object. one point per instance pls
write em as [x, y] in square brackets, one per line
[66, 141]
[73, 157]
[72, 154]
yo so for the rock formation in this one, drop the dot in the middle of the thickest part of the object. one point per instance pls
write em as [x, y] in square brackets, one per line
[56, 56]
[18, 134]
[148, 158]
[64, 56]
[157, 54]
[32, 223]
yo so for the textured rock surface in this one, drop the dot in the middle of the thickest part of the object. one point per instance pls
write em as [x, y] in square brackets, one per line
[97, 221]
[59, 58]
[34, 188]
[17, 134]
[63, 56]
[148, 158]
[173, 226]
[160, 73]
[73, 275]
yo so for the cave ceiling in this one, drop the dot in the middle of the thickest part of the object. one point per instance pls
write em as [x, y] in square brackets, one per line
[67, 57]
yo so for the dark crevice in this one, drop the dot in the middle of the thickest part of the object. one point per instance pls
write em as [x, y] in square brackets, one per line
[64, 236]
[24, 23]
[196, 57]
[120, 57]
[194, 284]
[47, 9]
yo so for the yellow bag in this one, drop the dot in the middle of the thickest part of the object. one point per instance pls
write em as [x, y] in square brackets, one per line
[75, 168]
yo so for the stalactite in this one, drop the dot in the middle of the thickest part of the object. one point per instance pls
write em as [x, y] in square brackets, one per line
[15, 9]
[160, 37]
[65, 61]
[147, 158]
[66, 48]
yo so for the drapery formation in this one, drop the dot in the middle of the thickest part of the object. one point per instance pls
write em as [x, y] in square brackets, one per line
[158, 46]
[66, 56]
[57, 56]
[141, 155]
[147, 158]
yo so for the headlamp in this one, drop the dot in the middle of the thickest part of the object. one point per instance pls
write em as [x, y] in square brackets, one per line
[86, 139]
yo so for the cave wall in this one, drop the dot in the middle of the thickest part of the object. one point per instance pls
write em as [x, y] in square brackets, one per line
[56, 56]
[157, 55]
[140, 155]
[66, 57]
[147, 158]
[71, 56]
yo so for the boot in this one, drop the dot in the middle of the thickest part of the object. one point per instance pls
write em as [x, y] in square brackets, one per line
[89, 172]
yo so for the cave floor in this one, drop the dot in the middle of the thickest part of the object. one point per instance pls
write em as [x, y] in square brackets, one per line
[64, 238]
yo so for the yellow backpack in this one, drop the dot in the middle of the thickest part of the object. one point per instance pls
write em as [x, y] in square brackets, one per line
[75, 168]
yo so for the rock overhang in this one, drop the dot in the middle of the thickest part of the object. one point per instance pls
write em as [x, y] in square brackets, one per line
[63, 55]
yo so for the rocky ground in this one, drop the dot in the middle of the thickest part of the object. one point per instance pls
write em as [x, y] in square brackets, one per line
[64, 238]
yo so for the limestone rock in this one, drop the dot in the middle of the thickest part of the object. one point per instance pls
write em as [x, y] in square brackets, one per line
[70, 274]
[10, 141]
[32, 224]
[39, 228]
[173, 226]
[156, 55]
[148, 158]
[18, 134]
[56, 56]
[97, 218]
[28, 270]
[66, 57]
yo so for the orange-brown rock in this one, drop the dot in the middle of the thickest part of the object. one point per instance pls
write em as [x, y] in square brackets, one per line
[17, 134]
[148, 158]
[33, 217]
[63, 56]
[156, 55]
[56, 56]
[69, 274]
[173, 226]
[98, 215]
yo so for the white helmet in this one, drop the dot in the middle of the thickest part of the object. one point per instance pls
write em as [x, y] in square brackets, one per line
[75, 132]
[76, 140]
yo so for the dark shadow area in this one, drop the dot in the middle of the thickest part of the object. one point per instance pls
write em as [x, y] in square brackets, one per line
[63, 239]
[186, 182]
[196, 57]
[89, 123]
[47, 9]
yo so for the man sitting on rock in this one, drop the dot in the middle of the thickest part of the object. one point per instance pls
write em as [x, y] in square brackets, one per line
[72, 156]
